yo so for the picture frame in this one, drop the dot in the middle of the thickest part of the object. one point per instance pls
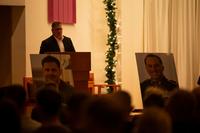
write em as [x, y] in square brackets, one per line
[37, 73]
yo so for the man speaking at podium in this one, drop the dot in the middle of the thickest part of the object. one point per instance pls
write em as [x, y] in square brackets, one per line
[57, 42]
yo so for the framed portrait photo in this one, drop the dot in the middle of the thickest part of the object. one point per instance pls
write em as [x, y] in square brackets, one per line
[157, 73]
[38, 72]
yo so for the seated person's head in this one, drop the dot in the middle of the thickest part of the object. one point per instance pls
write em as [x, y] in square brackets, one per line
[124, 100]
[10, 121]
[103, 114]
[154, 120]
[48, 104]
[154, 96]
[16, 93]
[181, 106]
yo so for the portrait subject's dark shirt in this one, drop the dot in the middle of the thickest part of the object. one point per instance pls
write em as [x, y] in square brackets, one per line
[65, 90]
[163, 83]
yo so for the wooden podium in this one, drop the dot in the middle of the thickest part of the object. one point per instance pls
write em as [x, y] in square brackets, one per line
[80, 64]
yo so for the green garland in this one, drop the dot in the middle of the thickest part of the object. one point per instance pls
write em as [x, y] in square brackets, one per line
[111, 42]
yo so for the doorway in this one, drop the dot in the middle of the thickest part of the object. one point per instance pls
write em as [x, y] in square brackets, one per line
[12, 40]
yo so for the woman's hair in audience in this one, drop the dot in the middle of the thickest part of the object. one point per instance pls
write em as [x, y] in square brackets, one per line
[16, 93]
[49, 100]
[154, 97]
[181, 105]
[154, 120]
[103, 114]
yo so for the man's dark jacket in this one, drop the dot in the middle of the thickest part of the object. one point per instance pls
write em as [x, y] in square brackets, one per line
[50, 45]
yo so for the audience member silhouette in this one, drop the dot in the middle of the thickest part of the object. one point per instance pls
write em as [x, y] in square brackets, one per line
[181, 107]
[47, 109]
[103, 115]
[196, 93]
[10, 121]
[74, 113]
[17, 94]
[154, 120]
[124, 100]
[154, 97]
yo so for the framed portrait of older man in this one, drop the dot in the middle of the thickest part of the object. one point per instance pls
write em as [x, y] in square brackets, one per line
[157, 74]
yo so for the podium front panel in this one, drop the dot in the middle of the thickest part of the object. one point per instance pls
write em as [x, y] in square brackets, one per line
[81, 86]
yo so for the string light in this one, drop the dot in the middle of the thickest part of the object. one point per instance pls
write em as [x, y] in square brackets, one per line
[113, 44]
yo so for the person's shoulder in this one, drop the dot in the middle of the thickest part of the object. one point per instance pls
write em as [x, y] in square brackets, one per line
[67, 38]
[64, 85]
[173, 82]
[49, 39]
[164, 79]
[144, 84]
[146, 81]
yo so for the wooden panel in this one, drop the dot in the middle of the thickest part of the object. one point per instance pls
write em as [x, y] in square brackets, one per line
[80, 61]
